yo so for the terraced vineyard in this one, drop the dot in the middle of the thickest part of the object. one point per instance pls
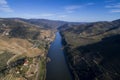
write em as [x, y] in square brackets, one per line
[23, 49]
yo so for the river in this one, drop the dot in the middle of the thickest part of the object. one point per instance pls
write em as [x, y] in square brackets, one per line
[57, 68]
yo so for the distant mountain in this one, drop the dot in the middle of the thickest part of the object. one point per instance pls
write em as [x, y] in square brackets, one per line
[70, 25]
[93, 50]
[96, 29]
[45, 23]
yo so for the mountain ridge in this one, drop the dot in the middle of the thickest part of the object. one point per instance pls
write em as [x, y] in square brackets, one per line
[45, 23]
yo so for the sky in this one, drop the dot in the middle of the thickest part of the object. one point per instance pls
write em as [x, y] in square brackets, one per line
[66, 10]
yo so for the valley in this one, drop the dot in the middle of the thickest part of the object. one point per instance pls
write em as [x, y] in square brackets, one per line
[59, 39]
[37, 49]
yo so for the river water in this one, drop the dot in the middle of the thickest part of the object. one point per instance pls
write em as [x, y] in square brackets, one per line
[57, 68]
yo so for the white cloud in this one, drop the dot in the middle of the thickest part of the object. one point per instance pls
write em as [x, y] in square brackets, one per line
[73, 8]
[4, 6]
[114, 8]
[115, 11]
[62, 16]
[47, 15]
[44, 15]
[109, 1]
[89, 4]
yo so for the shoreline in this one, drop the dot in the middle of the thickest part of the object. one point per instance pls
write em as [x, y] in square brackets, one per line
[46, 55]
[71, 69]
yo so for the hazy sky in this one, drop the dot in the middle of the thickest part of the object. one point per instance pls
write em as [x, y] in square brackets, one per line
[67, 10]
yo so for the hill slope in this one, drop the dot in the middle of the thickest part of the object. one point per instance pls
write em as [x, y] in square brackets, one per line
[45, 23]
[93, 50]
[23, 48]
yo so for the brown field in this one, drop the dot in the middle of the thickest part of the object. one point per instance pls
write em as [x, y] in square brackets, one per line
[19, 46]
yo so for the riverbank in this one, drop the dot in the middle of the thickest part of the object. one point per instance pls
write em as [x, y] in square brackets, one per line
[46, 58]
[66, 48]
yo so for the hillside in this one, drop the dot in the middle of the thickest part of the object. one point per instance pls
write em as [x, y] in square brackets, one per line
[45, 23]
[42, 23]
[23, 48]
[93, 50]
